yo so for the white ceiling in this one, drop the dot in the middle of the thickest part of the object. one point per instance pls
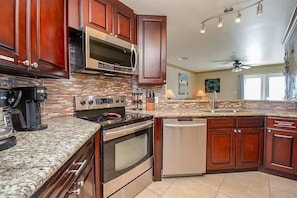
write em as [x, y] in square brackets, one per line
[257, 39]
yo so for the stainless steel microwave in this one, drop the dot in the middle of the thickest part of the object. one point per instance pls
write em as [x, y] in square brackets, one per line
[95, 52]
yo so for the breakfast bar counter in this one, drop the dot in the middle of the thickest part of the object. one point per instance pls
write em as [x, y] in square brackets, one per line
[37, 155]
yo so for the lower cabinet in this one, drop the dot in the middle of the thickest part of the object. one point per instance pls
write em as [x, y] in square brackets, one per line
[76, 178]
[281, 145]
[234, 142]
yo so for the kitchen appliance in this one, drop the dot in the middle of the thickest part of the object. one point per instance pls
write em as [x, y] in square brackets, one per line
[25, 107]
[126, 144]
[184, 146]
[95, 52]
[7, 138]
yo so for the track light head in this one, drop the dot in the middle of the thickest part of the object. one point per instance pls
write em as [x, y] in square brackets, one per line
[238, 18]
[260, 9]
[220, 24]
[202, 31]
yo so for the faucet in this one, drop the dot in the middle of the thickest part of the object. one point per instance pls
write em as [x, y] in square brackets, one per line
[214, 96]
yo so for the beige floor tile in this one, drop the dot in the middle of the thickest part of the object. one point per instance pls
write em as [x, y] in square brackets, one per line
[213, 181]
[147, 193]
[187, 188]
[276, 193]
[220, 195]
[159, 187]
[246, 185]
[283, 184]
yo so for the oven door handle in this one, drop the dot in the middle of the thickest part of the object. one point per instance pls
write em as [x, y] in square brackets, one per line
[126, 130]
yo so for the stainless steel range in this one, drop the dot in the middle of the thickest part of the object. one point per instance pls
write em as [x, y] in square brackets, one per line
[126, 144]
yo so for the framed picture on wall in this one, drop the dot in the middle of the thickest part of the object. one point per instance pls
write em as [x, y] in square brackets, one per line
[212, 85]
[183, 82]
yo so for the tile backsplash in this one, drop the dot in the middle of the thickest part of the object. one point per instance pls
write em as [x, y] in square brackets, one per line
[61, 92]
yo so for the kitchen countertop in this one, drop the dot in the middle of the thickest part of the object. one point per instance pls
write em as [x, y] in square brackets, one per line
[180, 112]
[37, 155]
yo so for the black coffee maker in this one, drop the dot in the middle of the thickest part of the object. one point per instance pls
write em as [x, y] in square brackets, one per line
[25, 107]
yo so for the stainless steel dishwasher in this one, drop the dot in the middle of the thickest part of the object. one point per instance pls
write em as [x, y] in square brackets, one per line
[184, 147]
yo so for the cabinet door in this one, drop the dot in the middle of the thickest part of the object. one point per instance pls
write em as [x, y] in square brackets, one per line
[13, 32]
[49, 37]
[73, 14]
[151, 35]
[220, 149]
[97, 14]
[281, 150]
[249, 147]
[124, 21]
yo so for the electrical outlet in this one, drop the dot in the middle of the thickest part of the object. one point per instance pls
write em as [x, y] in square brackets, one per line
[156, 99]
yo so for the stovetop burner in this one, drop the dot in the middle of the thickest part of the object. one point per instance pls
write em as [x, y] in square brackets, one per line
[108, 111]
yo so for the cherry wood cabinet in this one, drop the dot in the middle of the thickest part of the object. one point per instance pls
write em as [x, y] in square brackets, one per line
[234, 142]
[34, 40]
[78, 177]
[109, 16]
[152, 43]
[281, 145]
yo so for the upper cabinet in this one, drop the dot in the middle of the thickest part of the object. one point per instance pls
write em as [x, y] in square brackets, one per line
[152, 44]
[109, 16]
[34, 38]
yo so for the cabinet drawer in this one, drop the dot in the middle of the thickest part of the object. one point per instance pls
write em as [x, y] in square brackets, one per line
[60, 183]
[221, 122]
[282, 123]
[250, 122]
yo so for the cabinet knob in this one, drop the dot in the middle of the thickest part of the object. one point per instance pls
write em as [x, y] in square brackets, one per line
[116, 36]
[110, 34]
[34, 65]
[80, 183]
[235, 131]
[269, 131]
[239, 131]
[25, 62]
[76, 191]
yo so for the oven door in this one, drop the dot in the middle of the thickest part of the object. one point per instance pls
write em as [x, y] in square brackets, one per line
[125, 148]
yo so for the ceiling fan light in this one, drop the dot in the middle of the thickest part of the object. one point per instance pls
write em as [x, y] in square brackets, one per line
[260, 9]
[236, 69]
[238, 18]
[202, 31]
[220, 24]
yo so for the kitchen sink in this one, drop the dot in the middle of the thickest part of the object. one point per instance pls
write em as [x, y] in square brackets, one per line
[221, 110]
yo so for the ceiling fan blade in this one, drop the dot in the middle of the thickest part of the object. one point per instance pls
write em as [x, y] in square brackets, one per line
[245, 67]
[224, 61]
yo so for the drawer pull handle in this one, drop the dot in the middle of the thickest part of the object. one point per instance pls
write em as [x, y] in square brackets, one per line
[283, 136]
[285, 124]
[80, 169]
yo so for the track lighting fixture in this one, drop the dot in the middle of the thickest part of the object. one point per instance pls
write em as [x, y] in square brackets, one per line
[230, 10]
[260, 9]
[238, 18]
[202, 31]
[220, 24]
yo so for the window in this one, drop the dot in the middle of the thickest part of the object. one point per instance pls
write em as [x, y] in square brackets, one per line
[263, 87]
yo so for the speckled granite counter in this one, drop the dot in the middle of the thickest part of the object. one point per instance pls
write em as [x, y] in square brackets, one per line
[25, 167]
[200, 113]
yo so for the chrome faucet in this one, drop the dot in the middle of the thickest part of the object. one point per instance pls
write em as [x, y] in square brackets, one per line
[214, 97]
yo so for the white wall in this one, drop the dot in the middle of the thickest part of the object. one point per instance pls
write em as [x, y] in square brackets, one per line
[230, 81]
[172, 82]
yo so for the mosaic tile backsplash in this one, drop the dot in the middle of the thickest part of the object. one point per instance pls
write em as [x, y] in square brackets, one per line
[61, 93]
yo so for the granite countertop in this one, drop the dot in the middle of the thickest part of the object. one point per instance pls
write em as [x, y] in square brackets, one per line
[37, 155]
[180, 112]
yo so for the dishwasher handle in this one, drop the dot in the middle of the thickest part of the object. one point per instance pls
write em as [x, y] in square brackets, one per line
[185, 125]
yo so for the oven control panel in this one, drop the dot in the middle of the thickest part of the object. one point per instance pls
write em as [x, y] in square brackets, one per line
[98, 102]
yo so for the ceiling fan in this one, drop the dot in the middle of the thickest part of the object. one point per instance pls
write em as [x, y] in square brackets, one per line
[237, 65]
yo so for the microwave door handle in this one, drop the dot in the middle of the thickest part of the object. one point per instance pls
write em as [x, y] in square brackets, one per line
[133, 53]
